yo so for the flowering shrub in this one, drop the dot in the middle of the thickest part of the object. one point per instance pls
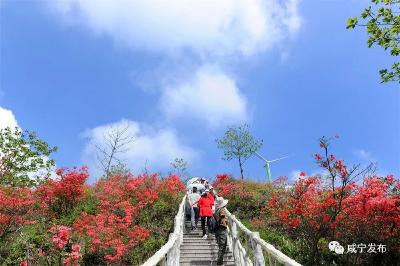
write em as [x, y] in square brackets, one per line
[70, 253]
[59, 196]
[16, 207]
[112, 231]
[66, 222]
[61, 236]
[318, 209]
[346, 204]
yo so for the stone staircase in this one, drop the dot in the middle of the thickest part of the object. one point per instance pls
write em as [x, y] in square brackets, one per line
[186, 247]
[197, 251]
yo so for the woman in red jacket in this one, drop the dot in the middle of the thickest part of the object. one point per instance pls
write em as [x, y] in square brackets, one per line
[210, 195]
[205, 204]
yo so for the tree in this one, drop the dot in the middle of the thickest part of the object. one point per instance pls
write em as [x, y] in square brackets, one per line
[24, 158]
[238, 143]
[382, 24]
[180, 166]
[115, 141]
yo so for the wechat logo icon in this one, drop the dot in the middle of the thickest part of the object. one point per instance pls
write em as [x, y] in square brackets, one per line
[334, 246]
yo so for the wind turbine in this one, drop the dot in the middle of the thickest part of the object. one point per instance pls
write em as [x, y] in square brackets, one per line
[267, 162]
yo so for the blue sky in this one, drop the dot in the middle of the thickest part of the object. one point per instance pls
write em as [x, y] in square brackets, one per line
[178, 74]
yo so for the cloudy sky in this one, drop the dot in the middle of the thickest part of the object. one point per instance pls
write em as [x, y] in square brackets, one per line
[179, 72]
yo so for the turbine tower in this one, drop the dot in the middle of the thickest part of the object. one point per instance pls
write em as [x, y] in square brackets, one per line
[267, 162]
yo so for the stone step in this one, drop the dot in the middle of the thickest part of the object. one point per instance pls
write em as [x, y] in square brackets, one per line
[199, 259]
[190, 249]
[195, 232]
[200, 232]
[201, 251]
[199, 236]
[207, 254]
[205, 263]
[199, 240]
[207, 247]
[204, 259]
[202, 246]
[193, 247]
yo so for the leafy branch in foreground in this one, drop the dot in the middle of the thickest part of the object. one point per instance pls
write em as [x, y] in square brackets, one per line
[382, 22]
[24, 158]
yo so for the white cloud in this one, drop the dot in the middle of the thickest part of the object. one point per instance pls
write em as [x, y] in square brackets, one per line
[294, 176]
[7, 118]
[208, 27]
[155, 147]
[209, 95]
[364, 155]
[198, 32]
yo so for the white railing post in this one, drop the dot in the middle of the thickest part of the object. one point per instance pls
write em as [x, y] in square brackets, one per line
[163, 262]
[258, 253]
[171, 254]
[235, 249]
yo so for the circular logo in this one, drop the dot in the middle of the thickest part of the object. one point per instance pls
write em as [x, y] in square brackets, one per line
[332, 245]
[339, 250]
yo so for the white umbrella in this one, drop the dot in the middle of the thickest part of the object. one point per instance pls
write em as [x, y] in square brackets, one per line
[198, 185]
[192, 180]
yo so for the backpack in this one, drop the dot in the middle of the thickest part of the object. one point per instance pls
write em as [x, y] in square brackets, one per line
[213, 224]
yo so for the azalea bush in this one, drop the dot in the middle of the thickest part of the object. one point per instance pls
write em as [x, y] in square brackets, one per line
[346, 205]
[350, 205]
[67, 222]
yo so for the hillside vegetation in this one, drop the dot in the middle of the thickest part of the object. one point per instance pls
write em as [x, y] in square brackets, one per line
[119, 220]
[353, 206]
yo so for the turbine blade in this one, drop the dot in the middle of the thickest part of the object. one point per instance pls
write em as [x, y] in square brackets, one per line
[259, 156]
[281, 158]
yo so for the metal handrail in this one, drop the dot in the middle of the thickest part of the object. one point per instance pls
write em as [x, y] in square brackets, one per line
[170, 252]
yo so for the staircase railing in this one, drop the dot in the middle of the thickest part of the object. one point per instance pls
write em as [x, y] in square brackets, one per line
[254, 248]
[168, 255]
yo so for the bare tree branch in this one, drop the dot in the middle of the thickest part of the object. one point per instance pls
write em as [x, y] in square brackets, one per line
[115, 142]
